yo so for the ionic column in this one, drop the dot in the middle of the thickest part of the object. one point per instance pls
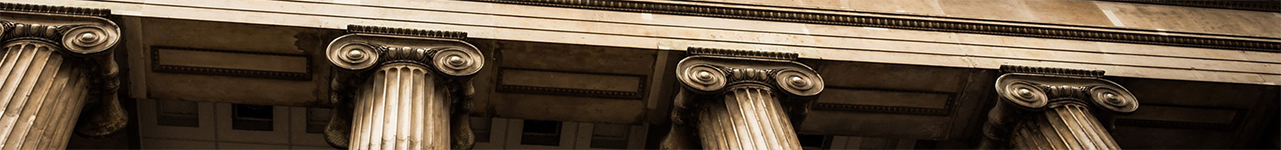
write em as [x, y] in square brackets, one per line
[56, 64]
[735, 99]
[401, 89]
[1054, 108]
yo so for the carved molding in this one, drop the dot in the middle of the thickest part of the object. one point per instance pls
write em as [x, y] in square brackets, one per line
[743, 53]
[1026, 92]
[638, 94]
[82, 38]
[79, 11]
[1252, 5]
[1105, 34]
[406, 32]
[159, 67]
[361, 54]
[1051, 71]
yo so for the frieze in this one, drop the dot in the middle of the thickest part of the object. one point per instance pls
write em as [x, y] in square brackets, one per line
[1105, 34]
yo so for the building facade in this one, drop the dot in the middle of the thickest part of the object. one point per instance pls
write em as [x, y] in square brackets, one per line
[640, 74]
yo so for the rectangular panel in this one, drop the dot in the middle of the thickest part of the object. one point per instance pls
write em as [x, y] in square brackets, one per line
[230, 63]
[162, 143]
[1182, 117]
[875, 112]
[570, 83]
[567, 108]
[886, 101]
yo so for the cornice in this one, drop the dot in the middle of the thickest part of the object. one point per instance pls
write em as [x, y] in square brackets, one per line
[1251, 5]
[97, 12]
[1088, 33]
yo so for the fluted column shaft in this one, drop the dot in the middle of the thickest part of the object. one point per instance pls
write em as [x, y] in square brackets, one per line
[41, 96]
[401, 107]
[748, 118]
[1068, 126]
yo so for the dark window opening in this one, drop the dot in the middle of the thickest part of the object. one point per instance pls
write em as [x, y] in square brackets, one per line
[251, 117]
[537, 132]
[814, 142]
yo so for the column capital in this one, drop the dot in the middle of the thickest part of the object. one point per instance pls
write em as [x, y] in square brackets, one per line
[713, 72]
[366, 51]
[1040, 88]
[75, 30]
[1027, 95]
[719, 81]
[710, 70]
[367, 46]
[82, 36]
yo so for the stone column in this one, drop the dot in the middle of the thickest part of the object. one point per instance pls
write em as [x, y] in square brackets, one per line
[736, 99]
[56, 64]
[1054, 108]
[402, 89]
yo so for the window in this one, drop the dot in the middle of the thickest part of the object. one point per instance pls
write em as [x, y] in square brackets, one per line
[610, 136]
[317, 119]
[480, 128]
[251, 117]
[177, 113]
[537, 132]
